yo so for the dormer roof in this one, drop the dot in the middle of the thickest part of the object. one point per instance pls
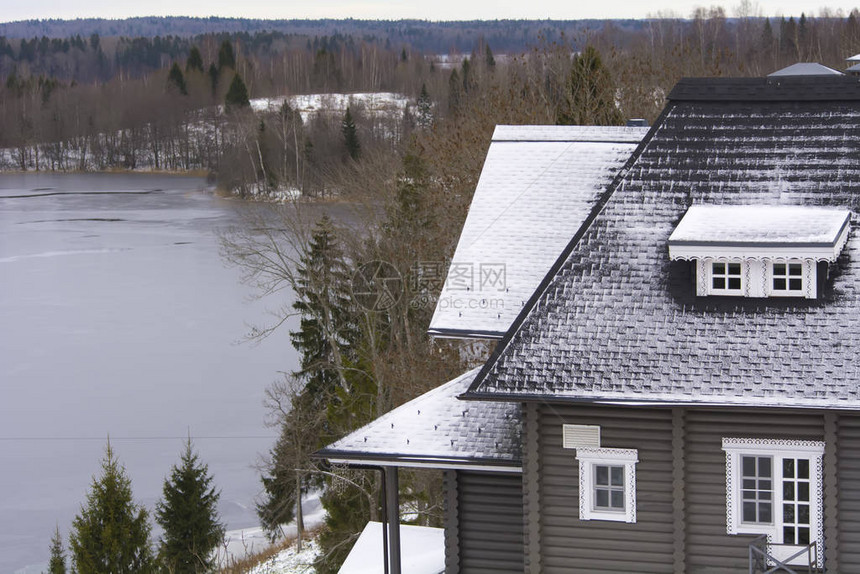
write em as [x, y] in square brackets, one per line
[538, 185]
[755, 231]
[805, 69]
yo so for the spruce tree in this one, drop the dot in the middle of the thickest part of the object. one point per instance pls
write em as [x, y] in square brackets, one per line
[57, 563]
[425, 108]
[111, 533]
[237, 94]
[195, 60]
[590, 93]
[176, 81]
[455, 92]
[226, 57]
[213, 78]
[188, 514]
[350, 135]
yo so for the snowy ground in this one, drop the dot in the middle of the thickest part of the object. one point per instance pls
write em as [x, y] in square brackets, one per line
[289, 561]
[309, 104]
[241, 543]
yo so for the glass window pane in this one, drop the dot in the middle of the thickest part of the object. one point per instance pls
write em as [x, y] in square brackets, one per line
[778, 284]
[765, 512]
[779, 268]
[749, 512]
[764, 495]
[601, 475]
[764, 484]
[803, 535]
[788, 490]
[788, 513]
[788, 535]
[719, 268]
[618, 499]
[617, 476]
[734, 268]
[748, 465]
[795, 269]
[803, 491]
[719, 283]
[601, 498]
[764, 466]
[795, 284]
[802, 468]
[788, 468]
[734, 283]
[749, 483]
[803, 514]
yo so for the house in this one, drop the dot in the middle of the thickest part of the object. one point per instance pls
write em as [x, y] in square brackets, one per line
[685, 373]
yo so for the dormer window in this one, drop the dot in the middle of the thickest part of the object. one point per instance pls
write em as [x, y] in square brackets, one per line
[726, 278]
[759, 251]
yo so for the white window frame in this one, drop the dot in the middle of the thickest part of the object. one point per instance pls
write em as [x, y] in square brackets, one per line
[806, 278]
[777, 450]
[729, 292]
[589, 458]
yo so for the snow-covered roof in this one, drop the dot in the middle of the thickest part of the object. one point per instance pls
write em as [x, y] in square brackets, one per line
[805, 69]
[618, 322]
[793, 231]
[854, 68]
[854, 58]
[437, 430]
[422, 550]
[538, 185]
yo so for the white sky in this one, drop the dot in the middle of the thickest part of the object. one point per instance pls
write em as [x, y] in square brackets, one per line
[11, 10]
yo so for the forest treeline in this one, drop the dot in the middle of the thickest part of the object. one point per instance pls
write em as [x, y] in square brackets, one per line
[95, 103]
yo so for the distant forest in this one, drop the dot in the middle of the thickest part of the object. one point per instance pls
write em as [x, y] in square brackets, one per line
[169, 93]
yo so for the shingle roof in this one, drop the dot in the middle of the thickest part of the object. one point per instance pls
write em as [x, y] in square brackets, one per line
[437, 430]
[537, 186]
[617, 321]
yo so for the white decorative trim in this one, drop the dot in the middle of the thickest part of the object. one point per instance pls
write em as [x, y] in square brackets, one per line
[777, 449]
[588, 457]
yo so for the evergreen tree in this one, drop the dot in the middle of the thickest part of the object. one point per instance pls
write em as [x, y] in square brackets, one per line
[188, 514]
[195, 60]
[213, 78]
[226, 57]
[111, 533]
[468, 80]
[176, 81]
[489, 59]
[590, 93]
[455, 92]
[237, 94]
[350, 135]
[425, 108]
[57, 563]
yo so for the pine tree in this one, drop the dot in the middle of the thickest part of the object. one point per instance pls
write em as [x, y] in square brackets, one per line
[425, 108]
[57, 563]
[111, 533]
[188, 514]
[350, 135]
[455, 92]
[226, 57]
[489, 59]
[213, 78]
[237, 94]
[176, 81]
[195, 60]
[590, 93]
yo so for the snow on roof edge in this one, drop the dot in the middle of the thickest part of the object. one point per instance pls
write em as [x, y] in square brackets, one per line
[525, 133]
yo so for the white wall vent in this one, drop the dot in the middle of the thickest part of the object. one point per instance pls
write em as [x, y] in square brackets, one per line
[577, 436]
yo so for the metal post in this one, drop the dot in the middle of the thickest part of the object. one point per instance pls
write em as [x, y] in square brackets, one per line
[392, 503]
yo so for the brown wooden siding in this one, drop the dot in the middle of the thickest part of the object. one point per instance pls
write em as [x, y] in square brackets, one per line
[490, 522]
[848, 481]
[569, 545]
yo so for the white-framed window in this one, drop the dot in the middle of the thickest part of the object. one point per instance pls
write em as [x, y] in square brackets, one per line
[607, 483]
[787, 279]
[774, 487]
[726, 278]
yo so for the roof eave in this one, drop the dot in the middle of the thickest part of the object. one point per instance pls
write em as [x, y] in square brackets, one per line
[420, 461]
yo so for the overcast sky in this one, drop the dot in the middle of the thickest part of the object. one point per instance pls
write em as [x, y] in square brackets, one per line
[11, 10]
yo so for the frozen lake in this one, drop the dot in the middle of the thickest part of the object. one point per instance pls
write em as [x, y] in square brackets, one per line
[118, 317]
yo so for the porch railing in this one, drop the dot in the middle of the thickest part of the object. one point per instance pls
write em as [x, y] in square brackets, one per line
[762, 561]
